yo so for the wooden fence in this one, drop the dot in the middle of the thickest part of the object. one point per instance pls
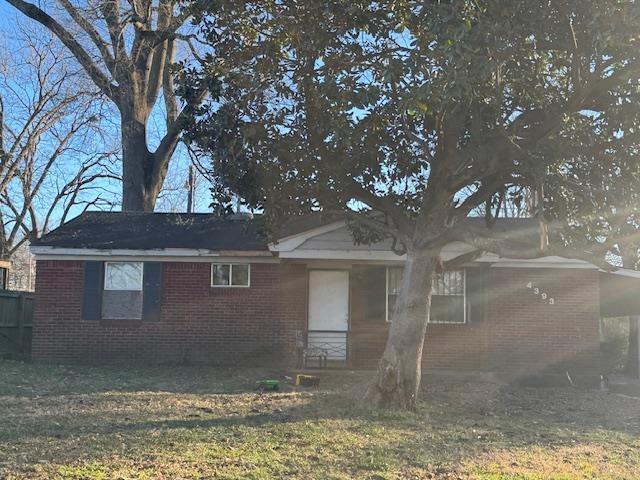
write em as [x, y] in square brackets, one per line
[16, 315]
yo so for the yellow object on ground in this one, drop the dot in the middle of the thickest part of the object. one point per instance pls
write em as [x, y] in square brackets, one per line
[307, 380]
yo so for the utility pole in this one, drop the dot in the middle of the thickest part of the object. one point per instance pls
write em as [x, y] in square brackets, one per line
[191, 181]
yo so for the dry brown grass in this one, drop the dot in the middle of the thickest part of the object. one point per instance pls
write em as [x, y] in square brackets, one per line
[174, 423]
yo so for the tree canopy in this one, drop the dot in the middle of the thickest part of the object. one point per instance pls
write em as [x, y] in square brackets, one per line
[417, 114]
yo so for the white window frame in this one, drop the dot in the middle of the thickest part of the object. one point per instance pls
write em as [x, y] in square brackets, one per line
[106, 268]
[248, 265]
[386, 293]
[464, 299]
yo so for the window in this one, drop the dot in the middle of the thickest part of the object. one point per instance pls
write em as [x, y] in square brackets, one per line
[230, 275]
[122, 295]
[448, 299]
[394, 278]
[123, 276]
[447, 295]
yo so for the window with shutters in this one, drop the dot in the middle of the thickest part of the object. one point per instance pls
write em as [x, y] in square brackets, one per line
[447, 296]
[230, 275]
[122, 295]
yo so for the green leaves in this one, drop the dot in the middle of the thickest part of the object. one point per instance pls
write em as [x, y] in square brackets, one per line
[439, 105]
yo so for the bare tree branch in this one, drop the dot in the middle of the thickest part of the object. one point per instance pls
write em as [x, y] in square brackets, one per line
[71, 43]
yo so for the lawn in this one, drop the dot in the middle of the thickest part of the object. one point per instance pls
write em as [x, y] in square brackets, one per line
[195, 423]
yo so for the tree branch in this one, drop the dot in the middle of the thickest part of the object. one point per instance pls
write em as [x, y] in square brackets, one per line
[483, 239]
[97, 40]
[71, 43]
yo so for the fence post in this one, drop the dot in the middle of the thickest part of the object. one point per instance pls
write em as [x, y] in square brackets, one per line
[21, 312]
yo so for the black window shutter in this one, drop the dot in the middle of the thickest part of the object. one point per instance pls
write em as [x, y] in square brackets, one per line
[375, 284]
[92, 294]
[152, 291]
[476, 293]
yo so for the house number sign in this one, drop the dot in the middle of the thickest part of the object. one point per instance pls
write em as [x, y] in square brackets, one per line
[543, 295]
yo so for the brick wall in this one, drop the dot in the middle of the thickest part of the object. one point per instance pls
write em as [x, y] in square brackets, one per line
[521, 334]
[527, 334]
[198, 324]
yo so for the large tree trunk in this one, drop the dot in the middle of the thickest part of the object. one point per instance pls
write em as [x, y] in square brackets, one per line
[141, 183]
[632, 367]
[135, 156]
[143, 171]
[399, 372]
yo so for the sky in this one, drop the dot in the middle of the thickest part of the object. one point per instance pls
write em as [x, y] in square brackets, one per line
[175, 195]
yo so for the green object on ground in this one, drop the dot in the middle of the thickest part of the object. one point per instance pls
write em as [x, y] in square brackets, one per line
[269, 385]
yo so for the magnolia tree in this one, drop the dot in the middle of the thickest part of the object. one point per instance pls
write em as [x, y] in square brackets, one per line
[608, 211]
[410, 116]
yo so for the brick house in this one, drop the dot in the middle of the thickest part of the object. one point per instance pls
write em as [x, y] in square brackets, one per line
[195, 288]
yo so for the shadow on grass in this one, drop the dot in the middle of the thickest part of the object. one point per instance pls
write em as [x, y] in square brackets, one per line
[61, 414]
[499, 410]
[32, 379]
[87, 394]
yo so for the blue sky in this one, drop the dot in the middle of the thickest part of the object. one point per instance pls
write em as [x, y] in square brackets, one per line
[174, 199]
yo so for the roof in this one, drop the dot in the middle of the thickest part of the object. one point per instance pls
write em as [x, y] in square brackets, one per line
[203, 231]
[303, 223]
[149, 231]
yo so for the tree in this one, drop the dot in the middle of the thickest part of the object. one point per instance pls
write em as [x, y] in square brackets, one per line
[128, 52]
[409, 116]
[52, 165]
[608, 211]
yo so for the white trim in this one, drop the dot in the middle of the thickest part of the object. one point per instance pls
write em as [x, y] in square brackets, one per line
[624, 272]
[388, 256]
[379, 255]
[140, 258]
[167, 252]
[263, 256]
[542, 262]
[140, 286]
[160, 255]
[231, 275]
[291, 242]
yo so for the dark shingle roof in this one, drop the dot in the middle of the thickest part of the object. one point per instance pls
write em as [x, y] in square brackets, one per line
[148, 231]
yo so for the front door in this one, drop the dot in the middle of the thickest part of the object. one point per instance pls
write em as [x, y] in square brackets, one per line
[329, 312]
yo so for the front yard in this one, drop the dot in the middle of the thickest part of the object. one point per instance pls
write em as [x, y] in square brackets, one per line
[174, 423]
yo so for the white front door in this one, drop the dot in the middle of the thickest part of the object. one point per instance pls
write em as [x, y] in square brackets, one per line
[329, 312]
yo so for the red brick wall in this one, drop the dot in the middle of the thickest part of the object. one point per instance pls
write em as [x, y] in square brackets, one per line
[198, 324]
[522, 333]
[525, 333]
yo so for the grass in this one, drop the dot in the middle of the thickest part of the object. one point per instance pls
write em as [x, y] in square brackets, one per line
[196, 423]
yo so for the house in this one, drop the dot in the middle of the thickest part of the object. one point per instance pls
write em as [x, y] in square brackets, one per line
[196, 288]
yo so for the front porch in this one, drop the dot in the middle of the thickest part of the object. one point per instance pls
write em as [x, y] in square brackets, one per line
[485, 318]
[349, 308]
